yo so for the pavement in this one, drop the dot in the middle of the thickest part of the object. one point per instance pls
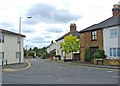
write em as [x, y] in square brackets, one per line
[26, 64]
[16, 66]
[91, 65]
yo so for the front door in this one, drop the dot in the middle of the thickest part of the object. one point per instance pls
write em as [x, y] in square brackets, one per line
[92, 51]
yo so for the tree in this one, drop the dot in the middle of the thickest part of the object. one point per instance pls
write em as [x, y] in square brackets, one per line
[71, 44]
[31, 53]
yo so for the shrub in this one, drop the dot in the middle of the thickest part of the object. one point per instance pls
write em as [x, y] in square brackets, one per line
[97, 55]
[57, 55]
[100, 54]
[31, 53]
[87, 55]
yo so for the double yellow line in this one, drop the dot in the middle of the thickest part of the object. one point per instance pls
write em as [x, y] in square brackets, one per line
[13, 70]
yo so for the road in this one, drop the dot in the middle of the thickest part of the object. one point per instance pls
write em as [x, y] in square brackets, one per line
[50, 72]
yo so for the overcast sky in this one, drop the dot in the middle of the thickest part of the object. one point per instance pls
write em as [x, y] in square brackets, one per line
[51, 18]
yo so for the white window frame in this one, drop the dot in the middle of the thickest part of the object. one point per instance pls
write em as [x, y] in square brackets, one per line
[94, 35]
[18, 39]
[114, 52]
[1, 38]
[18, 54]
[113, 32]
[1, 55]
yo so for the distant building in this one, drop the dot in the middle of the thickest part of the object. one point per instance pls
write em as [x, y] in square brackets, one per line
[9, 47]
[72, 31]
[51, 47]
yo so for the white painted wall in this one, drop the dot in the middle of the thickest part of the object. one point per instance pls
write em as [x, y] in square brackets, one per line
[59, 51]
[10, 47]
[51, 47]
[110, 42]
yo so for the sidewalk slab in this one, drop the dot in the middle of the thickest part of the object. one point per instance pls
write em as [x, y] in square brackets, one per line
[13, 67]
[91, 65]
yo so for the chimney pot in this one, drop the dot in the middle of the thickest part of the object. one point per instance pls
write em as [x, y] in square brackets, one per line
[116, 10]
[72, 27]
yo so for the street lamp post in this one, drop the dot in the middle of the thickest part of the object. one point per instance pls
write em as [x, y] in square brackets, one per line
[20, 37]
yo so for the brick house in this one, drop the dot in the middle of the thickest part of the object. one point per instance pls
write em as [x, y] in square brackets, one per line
[97, 36]
[90, 38]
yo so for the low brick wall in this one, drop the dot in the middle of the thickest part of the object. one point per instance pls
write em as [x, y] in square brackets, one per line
[113, 61]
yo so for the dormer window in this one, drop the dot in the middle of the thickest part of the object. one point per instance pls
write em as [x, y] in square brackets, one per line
[93, 35]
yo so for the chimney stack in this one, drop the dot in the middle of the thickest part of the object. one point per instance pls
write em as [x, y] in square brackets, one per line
[116, 10]
[72, 27]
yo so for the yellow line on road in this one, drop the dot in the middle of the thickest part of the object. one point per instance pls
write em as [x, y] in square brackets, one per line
[27, 66]
[13, 70]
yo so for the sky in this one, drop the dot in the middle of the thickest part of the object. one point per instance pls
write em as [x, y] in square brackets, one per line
[51, 18]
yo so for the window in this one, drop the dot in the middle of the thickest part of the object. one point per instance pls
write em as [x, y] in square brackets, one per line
[57, 52]
[18, 39]
[18, 54]
[114, 52]
[110, 51]
[1, 38]
[1, 55]
[94, 35]
[118, 52]
[114, 32]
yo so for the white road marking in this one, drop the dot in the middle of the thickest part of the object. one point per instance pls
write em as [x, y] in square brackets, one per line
[64, 68]
[59, 67]
[49, 76]
[116, 76]
[109, 71]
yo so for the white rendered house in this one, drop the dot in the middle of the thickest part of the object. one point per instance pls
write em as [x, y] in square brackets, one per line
[111, 42]
[111, 35]
[11, 47]
[74, 32]
[51, 47]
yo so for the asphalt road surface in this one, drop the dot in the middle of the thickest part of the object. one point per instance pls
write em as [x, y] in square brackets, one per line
[50, 72]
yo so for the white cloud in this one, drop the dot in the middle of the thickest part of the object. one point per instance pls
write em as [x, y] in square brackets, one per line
[88, 12]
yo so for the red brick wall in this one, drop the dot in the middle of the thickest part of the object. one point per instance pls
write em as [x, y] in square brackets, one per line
[86, 42]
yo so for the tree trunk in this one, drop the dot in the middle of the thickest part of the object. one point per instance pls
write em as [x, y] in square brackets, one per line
[72, 57]
[65, 57]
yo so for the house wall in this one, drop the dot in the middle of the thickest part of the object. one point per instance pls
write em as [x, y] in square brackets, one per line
[86, 42]
[59, 51]
[111, 42]
[10, 47]
[51, 47]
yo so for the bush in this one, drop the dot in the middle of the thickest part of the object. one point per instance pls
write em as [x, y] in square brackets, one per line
[97, 55]
[87, 55]
[100, 54]
[31, 53]
[43, 56]
[57, 55]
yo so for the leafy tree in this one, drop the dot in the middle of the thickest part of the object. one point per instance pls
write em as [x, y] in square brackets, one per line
[31, 53]
[71, 44]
